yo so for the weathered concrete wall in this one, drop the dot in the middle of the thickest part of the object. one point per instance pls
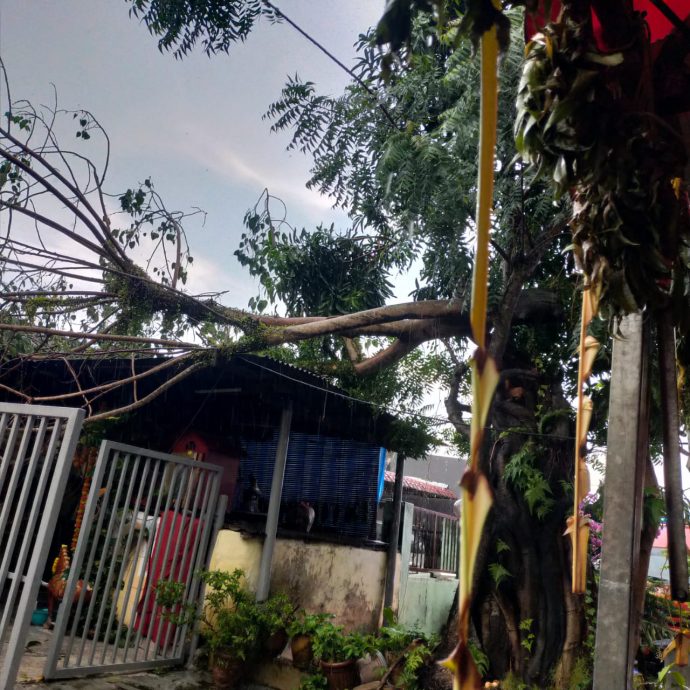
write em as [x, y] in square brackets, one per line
[346, 581]
[427, 602]
[343, 580]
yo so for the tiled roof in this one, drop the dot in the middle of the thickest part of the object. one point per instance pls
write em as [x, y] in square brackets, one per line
[422, 485]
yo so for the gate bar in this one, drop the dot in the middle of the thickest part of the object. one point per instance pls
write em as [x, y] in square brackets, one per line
[182, 496]
[72, 419]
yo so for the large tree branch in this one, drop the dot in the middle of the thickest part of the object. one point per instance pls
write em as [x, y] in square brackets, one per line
[334, 325]
[454, 408]
[386, 357]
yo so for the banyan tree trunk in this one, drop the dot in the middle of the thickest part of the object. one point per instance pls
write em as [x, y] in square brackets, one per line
[527, 620]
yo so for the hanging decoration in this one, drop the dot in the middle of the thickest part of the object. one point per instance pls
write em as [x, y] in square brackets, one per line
[585, 119]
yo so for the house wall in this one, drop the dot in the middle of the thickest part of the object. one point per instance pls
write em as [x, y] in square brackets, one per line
[346, 581]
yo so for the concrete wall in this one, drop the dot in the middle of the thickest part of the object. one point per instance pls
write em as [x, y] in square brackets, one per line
[427, 602]
[344, 580]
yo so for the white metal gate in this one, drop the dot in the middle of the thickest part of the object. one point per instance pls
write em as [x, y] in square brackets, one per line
[149, 517]
[36, 448]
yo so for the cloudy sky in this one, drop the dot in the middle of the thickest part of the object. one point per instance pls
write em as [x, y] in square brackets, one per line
[194, 125]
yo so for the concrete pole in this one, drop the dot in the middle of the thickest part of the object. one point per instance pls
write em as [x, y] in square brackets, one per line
[625, 464]
[405, 553]
[264, 583]
[392, 557]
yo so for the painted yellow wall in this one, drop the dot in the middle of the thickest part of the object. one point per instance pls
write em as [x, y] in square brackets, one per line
[343, 580]
[237, 550]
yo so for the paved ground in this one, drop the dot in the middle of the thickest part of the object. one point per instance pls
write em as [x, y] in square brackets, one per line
[174, 680]
[31, 670]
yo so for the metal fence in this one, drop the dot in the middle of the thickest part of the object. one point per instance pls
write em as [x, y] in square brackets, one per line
[435, 542]
[149, 517]
[36, 448]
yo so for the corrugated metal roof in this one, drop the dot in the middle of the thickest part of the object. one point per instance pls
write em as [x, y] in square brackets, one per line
[421, 485]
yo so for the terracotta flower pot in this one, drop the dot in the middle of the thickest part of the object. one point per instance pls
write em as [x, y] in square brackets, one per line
[275, 643]
[302, 653]
[341, 675]
[226, 671]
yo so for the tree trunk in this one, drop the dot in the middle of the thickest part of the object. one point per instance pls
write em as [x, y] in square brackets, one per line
[650, 527]
[526, 619]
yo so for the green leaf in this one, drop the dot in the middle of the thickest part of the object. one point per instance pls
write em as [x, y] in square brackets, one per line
[499, 573]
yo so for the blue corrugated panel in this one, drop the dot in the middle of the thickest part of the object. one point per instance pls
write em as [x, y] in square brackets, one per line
[337, 477]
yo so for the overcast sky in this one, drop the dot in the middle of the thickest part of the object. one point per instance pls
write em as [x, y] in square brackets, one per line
[194, 125]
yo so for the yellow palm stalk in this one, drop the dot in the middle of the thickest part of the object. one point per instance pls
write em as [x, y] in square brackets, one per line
[681, 643]
[476, 492]
[578, 525]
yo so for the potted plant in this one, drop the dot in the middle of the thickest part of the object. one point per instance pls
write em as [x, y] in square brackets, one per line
[406, 652]
[314, 681]
[275, 615]
[230, 621]
[302, 630]
[338, 653]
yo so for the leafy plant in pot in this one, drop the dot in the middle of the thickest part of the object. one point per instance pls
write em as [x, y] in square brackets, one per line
[275, 615]
[338, 653]
[230, 621]
[407, 653]
[302, 631]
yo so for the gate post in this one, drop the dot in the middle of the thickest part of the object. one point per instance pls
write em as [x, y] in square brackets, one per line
[264, 584]
[394, 536]
[625, 463]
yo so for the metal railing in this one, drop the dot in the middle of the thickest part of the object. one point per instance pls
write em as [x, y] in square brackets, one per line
[36, 448]
[435, 542]
[149, 517]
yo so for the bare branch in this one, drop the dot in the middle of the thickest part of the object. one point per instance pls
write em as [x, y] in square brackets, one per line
[76, 381]
[21, 328]
[454, 407]
[14, 391]
[105, 387]
[100, 230]
[151, 396]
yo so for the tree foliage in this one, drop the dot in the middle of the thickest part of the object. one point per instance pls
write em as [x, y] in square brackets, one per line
[216, 24]
[402, 165]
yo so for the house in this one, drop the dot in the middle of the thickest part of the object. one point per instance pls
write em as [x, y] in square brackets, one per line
[421, 492]
[443, 469]
[231, 414]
